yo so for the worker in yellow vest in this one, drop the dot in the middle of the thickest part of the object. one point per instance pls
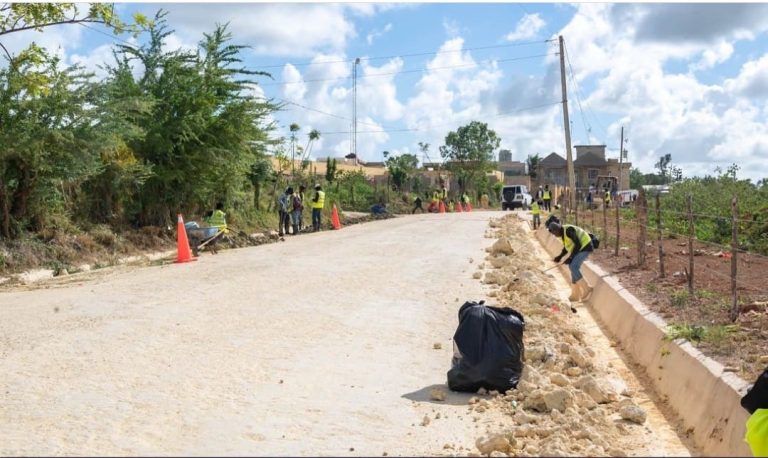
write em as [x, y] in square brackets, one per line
[756, 403]
[536, 212]
[546, 197]
[607, 198]
[318, 203]
[578, 243]
[217, 218]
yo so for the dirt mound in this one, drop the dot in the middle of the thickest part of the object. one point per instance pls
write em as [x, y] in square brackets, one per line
[566, 403]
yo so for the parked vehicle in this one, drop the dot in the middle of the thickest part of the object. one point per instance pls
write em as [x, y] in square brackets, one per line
[515, 196]
[626, 197]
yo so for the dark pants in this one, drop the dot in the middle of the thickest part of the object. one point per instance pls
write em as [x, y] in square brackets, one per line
[316, 215]
[417, 207]
[536, 221]
[284, 224]
[547, 204]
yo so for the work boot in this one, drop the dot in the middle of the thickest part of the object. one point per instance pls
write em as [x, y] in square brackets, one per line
[584, 289]
[295, 229]
[575, 292]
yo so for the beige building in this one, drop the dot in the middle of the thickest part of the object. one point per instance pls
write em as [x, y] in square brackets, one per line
[589, 163]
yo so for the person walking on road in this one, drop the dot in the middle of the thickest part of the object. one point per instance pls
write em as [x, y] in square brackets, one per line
[546, 197]
[417, 205]
[284, 211]
[318, 202]
[296, 208]
[578, 243]
[536, 212]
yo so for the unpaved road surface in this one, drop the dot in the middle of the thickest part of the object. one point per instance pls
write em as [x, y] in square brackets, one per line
[322, 345]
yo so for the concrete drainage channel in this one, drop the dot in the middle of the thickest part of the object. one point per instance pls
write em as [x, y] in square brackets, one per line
[704, 396]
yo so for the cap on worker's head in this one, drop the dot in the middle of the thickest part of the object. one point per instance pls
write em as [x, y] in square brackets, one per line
[317, 185]
[554, 228]
[289, 190]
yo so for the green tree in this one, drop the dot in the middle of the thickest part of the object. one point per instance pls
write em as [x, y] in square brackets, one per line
[469, 152]
[204, 132]
[18, 17]
[400, 168]
[532, 162]
[261, 171]
[48, 129]
[330, 170]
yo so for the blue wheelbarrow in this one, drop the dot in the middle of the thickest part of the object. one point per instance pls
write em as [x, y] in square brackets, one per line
[201, 237]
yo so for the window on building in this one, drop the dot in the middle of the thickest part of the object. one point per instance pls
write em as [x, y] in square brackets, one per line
[593, 173]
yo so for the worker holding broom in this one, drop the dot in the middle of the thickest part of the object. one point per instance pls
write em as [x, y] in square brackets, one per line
[578, 243]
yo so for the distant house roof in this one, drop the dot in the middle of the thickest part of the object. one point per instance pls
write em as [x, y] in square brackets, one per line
[590, 160]
[374, 164]
[554, 160]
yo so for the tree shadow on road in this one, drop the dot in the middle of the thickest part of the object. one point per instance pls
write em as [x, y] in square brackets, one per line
[451, 397]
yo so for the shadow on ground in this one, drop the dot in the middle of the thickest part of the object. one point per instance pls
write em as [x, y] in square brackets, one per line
[451, 397]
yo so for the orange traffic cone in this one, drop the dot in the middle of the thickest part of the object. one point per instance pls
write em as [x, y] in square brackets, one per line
[469, 207]
[458, 207]
[335, 218]
[441, 207]
[182, 244]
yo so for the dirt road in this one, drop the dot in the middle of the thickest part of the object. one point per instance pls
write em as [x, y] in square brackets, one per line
[322, 345]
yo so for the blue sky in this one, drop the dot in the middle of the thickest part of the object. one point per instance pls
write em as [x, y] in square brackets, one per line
[685, 79]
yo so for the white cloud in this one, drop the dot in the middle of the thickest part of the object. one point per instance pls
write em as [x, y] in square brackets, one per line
[451, 27]
[623, 53]
[752, 80]
[527, 27]
[282, 29]
[377, 33]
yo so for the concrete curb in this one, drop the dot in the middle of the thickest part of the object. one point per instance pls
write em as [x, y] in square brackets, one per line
[706, 398]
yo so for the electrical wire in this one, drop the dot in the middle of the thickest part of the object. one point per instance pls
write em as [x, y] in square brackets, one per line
[432, 53]
[419, 70]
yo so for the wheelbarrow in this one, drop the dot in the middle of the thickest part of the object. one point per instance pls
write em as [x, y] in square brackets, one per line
[201, 237]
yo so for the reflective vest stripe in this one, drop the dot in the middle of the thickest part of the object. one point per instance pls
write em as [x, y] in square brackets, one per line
[547, 195]
[581, 234]
[320, 200]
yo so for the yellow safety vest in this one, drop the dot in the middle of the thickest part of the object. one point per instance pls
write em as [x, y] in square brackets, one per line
[607, 196]
[218, 219]
[435, 197]
[546, 195]
[320, 200]
[535, 209]
[757, 432]
[581, 234]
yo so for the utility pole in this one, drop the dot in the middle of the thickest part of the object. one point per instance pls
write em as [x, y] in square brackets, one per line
[567, 126]
[354, 108]
[621, 157]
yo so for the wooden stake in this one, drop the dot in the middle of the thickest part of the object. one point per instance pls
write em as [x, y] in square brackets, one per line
[658, 233]
[690, 244]
[734, 249]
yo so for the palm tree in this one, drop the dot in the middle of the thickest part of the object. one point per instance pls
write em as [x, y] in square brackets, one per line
[293, 128]
[314, 134]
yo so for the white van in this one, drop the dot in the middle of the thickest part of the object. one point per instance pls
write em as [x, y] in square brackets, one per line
[515, 196]
[626, 197]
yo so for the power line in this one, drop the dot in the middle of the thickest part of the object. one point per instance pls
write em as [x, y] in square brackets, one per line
[578, 92]
[433, 126]
[283, 83]
[342, 61]
[587, 131]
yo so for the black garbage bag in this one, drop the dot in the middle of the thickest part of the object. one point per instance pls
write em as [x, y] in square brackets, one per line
[488, 349]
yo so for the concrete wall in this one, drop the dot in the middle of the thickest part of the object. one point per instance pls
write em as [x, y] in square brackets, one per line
[704, 396]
